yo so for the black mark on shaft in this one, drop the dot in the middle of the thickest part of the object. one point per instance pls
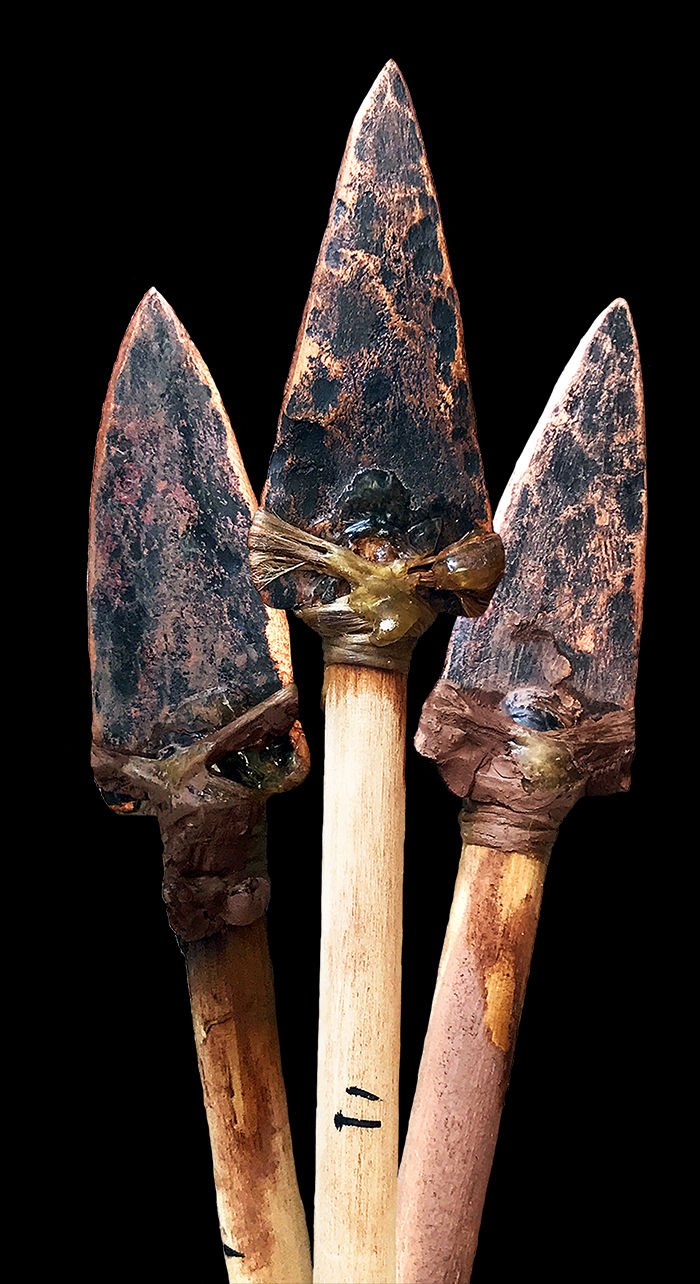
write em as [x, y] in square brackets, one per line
[361, 1092]
[341, 1120]
[231, 1252]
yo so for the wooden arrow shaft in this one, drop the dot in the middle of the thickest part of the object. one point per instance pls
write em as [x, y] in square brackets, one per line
[360, 982]
[466, 1062]
[263, 1230]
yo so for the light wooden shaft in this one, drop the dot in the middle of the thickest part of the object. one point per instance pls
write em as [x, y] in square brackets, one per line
[360, 982]
[233, 1011]
[466, 1063]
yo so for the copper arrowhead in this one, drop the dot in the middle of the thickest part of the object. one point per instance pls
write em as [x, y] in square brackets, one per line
[180, 641]
[377, 435]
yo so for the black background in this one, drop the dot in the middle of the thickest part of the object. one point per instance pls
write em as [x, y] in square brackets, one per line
[205, 166]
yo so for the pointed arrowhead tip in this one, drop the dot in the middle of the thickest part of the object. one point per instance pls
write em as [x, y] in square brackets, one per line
[151, 305]
[153, 296]
[390, 77]
[616, 320]
[392, 69]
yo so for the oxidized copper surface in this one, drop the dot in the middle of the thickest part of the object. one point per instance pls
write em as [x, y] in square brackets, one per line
[376, 446]
[535, 704]
[180, 641]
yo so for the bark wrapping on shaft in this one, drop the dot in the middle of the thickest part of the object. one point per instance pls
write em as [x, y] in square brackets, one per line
[213, 828]
[518, 783]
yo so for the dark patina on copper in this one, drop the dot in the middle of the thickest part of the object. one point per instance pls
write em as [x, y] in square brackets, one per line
[194, 714]
[536, 704]
[376, 447]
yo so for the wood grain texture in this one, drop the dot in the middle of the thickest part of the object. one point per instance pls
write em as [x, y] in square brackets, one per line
[466, 1064]
[377, 433]
[209, 798]
[360, 982]
[263, 1229]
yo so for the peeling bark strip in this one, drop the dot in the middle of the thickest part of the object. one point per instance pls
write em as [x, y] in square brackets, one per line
[535, 707]
[376, 445]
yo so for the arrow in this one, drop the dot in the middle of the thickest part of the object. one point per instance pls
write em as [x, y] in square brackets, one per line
[534, 709]
[195, 723]
[374, 517]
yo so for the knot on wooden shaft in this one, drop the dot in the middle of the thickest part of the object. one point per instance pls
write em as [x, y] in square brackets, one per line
[520, 763]
[209, 799]
[379, 611]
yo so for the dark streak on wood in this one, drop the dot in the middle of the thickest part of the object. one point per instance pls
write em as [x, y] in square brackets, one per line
[362, 1092]
[376, 445]
[344, 1121]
